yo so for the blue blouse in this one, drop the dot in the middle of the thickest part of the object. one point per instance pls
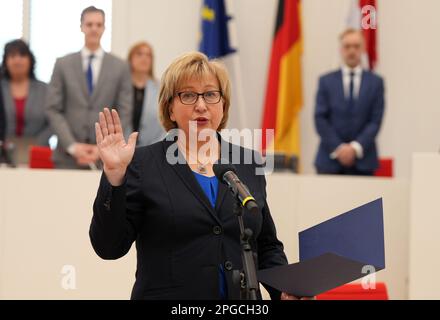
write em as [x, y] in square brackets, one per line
[210, 188]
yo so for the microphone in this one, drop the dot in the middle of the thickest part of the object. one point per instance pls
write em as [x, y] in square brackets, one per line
[227, 174]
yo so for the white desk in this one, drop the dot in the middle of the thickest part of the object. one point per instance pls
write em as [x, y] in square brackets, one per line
[45, 217]
[424, 262]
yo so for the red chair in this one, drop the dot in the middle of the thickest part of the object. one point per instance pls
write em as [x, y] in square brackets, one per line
[354, 291]
[385, 168]
[40, 158]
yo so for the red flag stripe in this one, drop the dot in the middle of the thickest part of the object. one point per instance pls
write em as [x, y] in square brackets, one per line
[370, 36]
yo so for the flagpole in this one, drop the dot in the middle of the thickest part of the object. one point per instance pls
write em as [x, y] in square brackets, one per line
[240, 91]
[237, 68]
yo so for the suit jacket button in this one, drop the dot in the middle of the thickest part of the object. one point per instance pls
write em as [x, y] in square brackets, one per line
[228, 265]
[217, 230]
[107, 205]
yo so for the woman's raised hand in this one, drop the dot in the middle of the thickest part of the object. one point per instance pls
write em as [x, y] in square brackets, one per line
[115, 153]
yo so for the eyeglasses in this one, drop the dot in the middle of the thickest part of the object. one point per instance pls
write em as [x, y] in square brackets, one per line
[190, 97]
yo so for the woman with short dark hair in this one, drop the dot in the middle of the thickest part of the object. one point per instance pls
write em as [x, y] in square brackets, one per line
[23, 95]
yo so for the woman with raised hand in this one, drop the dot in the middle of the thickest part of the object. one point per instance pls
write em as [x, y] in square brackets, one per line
[180, 216]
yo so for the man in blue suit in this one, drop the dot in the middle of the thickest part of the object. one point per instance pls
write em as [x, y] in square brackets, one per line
[348, 114]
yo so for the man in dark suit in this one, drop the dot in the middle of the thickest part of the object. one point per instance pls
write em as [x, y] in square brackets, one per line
[82, 84]
[348, 114]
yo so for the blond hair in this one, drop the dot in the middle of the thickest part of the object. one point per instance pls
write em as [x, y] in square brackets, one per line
[188, 66]
[135, 48]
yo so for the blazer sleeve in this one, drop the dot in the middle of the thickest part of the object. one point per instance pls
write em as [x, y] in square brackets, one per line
[2, 118]
[44, 135]
[368, 135]
[54, 107]
[270, 248]
[117, 215]
[124, 101]
[329, 137]
[46, 131]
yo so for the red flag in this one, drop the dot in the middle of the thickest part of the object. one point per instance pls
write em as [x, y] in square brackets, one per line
[363, 16]
[369, 18]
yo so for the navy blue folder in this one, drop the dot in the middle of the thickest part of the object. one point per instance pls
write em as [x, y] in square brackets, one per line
[337, 251]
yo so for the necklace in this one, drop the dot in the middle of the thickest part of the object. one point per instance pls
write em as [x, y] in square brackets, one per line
[201, 168]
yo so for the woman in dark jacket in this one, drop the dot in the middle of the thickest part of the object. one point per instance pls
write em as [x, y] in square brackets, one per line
[166, 198]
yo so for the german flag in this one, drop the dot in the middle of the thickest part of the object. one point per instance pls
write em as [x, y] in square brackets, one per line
[284, 89]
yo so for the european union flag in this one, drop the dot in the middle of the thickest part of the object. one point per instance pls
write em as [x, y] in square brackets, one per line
[215, 38]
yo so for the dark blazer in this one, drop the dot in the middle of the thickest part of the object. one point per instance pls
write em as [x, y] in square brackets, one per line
[180, 238]
[337, 124]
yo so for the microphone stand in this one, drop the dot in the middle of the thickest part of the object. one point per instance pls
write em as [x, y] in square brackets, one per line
[248, 276]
